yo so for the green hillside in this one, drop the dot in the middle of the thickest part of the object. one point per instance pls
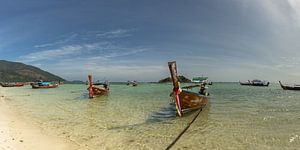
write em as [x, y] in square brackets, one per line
[19, 72]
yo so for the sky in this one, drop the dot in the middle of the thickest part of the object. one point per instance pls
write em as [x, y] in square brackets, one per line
[120, 40]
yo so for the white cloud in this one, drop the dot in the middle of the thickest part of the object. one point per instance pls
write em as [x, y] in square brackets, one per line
[75, 61]
[125, 52]
[295, 5]
[62, 41]
[100, 50]
[68, 46]
[52, 54]
[280, 52]
[114, 34]
[118, 33]
[117, 70]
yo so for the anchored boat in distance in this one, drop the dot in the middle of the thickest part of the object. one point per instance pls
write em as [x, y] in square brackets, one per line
[15, 84]
[133, 83]
[255, 83]
[289, 87]
[201, 80]
[40, 84]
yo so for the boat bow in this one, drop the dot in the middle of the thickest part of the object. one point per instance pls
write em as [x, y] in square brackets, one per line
[185, 101]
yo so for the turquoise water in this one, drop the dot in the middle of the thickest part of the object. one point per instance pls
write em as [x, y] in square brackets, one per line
[238, 117]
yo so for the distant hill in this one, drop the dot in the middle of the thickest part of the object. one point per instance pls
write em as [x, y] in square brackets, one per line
[181, 79]
[74, 82]
[19, 72]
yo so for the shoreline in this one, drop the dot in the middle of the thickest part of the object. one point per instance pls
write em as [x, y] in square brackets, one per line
[16, 133]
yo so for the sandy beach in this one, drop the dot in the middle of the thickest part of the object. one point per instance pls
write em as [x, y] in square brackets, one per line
[16, 133]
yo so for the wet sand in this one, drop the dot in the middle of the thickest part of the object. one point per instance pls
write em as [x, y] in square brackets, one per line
[16, 133]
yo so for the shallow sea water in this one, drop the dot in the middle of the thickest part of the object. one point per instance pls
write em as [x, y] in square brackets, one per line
[237, 117]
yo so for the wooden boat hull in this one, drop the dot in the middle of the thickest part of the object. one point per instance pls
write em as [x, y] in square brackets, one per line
[19, 85]
[95, 90]
[254, 84]
[260, 84]
[12, 85]
[285, 87]
[43, 87]
[7, 85]
[98, 91]
[245, 83]
[191, 101]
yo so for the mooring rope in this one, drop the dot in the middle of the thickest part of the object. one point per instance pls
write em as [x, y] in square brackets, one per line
[184, 130]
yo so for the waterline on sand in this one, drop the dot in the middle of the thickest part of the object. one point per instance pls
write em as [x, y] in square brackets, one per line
[18, 133]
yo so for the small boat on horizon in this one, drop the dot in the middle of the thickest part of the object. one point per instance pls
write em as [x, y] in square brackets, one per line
[185, 101]
[201, 80]
[255, 82]
[288, 87]
[133, 83]
[245, 83]
[43, 85]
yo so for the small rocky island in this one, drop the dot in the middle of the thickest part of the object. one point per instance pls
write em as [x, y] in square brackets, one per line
[181, 79]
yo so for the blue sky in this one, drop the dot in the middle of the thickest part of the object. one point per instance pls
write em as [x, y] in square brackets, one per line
[227, 40]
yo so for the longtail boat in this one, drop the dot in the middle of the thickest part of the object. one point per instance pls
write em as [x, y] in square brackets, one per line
[286, 87]
[201, 80]
[255, 83]
[43, 85]
[185, 101]
[245, 83]
[133, 83]
[17, 84]
[7, 85]
[95, 89]
[259, 83]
